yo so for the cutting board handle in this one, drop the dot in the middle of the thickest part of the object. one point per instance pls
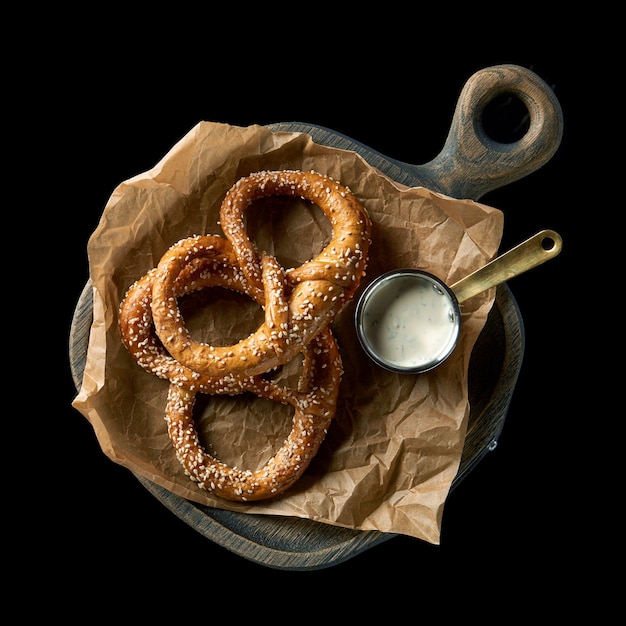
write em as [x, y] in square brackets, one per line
[471, 163]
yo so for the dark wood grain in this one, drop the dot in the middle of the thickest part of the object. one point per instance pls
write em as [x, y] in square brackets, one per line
[470, 165]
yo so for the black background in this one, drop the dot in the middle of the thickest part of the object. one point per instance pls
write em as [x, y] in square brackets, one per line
[516, 527]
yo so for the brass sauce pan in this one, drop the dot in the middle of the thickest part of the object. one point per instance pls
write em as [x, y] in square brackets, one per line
[435, 345]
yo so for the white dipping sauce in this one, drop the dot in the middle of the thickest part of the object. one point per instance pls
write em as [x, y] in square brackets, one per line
[408, 321]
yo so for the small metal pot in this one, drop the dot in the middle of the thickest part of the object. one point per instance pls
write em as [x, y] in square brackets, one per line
[408, 320]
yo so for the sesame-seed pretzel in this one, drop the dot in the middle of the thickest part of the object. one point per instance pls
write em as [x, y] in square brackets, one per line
[314, 408]
[213, 264]
[300, 301]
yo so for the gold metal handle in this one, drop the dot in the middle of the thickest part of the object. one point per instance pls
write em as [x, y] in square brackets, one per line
[536, 250]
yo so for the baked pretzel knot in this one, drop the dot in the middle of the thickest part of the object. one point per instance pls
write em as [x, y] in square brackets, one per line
[299, 304]
[314, 406]
[304, 299]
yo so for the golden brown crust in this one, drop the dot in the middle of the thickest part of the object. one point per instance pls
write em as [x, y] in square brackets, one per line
[299, 305]
[318, 289]
[217, 267]
[314, 409]
[314, 401]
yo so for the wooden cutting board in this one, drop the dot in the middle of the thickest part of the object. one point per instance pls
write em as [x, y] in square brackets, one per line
[470, 164]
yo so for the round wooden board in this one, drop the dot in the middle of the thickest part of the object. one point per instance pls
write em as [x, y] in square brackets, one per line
[300, 544]
[469, 166]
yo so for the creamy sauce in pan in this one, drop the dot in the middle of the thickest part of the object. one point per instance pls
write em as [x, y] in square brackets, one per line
[409, 322]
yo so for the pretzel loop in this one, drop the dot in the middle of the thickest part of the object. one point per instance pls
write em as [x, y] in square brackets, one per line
[313, 413]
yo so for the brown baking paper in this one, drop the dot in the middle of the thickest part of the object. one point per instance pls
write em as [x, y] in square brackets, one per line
[395, 444]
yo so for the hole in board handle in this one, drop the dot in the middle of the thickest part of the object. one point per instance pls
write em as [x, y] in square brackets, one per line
[505, 118]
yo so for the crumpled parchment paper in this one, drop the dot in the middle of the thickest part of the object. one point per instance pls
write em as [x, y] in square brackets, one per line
[395, 444]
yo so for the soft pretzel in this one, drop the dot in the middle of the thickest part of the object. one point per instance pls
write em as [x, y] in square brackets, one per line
[298, 302]
[314, 408]
[314, 401]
